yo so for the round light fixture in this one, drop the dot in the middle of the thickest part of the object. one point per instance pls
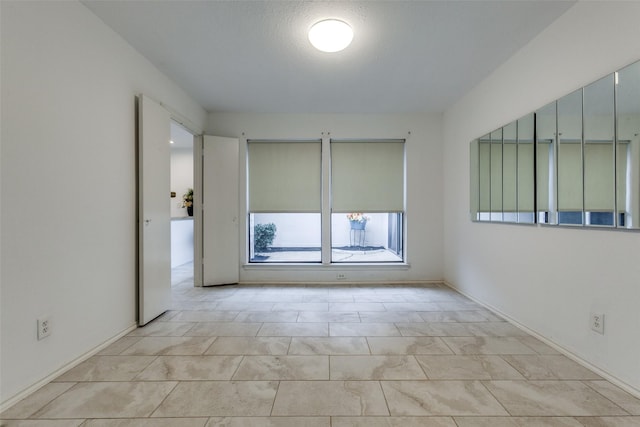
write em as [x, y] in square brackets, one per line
[330, 35]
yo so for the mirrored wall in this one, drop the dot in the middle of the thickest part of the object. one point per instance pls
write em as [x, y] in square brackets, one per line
[574, 162]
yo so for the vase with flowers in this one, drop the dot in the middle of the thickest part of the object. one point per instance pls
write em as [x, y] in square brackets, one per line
[187, 201]
[357, 220]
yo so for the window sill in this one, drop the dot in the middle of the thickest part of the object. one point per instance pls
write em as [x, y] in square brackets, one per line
[327, 267]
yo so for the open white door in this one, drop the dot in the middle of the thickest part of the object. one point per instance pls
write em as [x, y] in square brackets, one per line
[220, 204]
[154, 214]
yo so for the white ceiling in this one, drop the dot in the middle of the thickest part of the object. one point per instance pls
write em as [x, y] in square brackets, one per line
[181, 137]
[254, 56]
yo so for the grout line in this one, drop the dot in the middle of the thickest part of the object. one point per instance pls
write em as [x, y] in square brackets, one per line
[386, 402]
[482, 382]
[275, 396]
[209, 347]
[237, 367]
[610, 400]
[421, 367]
[291, 342]
[366, 339]
[163, 399]
[135, 377]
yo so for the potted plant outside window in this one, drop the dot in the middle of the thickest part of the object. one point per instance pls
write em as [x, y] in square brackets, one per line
[357, 220]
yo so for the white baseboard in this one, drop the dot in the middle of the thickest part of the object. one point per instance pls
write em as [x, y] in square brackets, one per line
[75, 362]
[604, 374]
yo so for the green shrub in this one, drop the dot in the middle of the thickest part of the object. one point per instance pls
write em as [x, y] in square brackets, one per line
[263, 235]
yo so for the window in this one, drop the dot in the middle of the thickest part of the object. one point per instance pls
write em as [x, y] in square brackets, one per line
[285, 237]
[365, 205]
[284, 201]
[367, 190]
[377, 238]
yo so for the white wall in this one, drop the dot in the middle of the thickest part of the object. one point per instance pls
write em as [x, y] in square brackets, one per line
[424, 185]
[548, 279]
[68, 183]
[181, 178]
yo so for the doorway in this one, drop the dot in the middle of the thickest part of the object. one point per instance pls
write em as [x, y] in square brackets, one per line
[182, 243]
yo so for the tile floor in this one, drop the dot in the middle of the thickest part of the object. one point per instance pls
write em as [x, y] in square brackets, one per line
[332, 356]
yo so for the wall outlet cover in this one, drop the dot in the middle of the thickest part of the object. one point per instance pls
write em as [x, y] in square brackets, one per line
[44, 327]
[597, 322]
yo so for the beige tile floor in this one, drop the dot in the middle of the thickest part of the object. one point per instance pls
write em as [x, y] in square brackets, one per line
[326, 356]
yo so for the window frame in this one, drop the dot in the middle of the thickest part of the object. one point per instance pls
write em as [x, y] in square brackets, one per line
[326, 208]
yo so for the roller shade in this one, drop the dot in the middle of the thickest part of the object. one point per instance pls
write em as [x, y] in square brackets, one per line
[543, 175]
[526, 163]
[367, 176]
[545, 122]
[525, 177]
[509, 176]
[285, 176]
[496, 176]
[599, 177]
[484, 155]
[570, 176]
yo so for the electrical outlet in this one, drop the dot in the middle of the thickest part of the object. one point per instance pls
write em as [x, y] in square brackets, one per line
[341, 276]
[44, 327]
[597, 322]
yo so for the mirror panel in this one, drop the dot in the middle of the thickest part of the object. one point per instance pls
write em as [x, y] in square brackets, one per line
[569, 155]
[575, 161]
[496, 175]
[484, 173]
[525, 170]
[628, 146]
[510, 172]
[474, 180]
[599, 153]
[545, 120]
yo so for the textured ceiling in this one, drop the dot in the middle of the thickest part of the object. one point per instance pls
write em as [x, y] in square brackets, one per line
[254, 56]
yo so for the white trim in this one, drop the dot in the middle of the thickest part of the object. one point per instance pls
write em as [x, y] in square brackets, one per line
[325, 216]
[177, 117]
[316, 266]
[75, 362]
[604, 374]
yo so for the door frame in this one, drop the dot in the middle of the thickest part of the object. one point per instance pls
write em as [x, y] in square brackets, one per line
[196, 131]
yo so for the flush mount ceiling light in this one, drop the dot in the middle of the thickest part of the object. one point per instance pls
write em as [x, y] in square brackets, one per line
[330, 35]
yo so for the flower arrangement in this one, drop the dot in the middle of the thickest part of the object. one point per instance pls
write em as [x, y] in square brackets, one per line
[357, 217]
[187, 198]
